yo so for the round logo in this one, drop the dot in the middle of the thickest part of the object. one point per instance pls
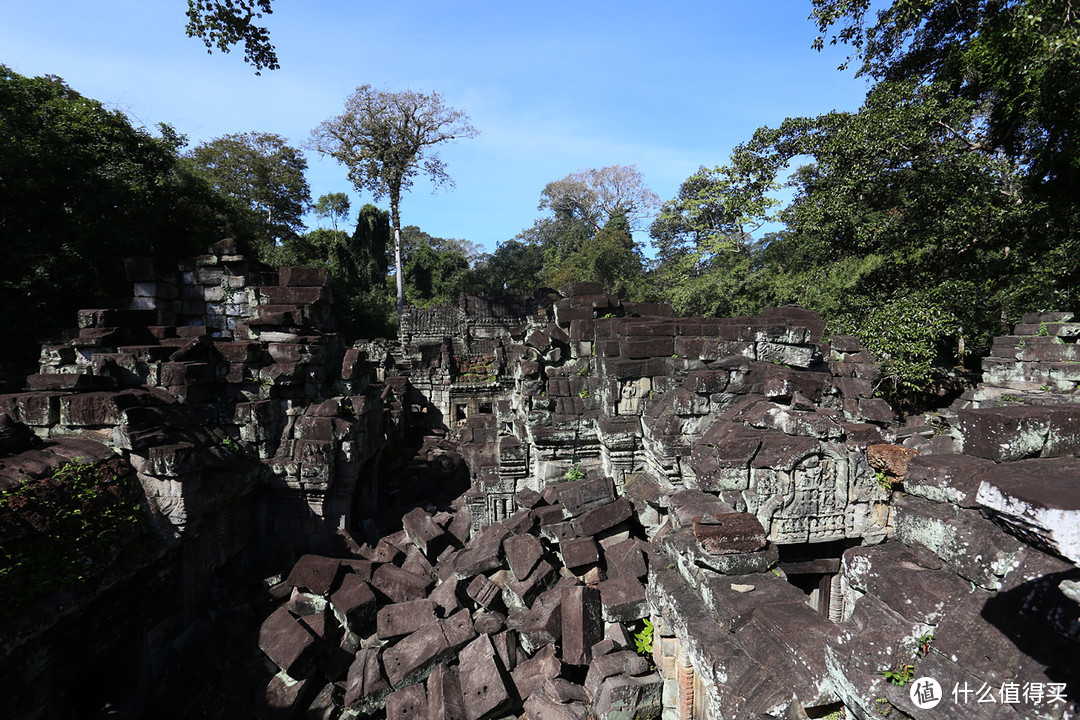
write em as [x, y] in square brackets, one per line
[925, 693]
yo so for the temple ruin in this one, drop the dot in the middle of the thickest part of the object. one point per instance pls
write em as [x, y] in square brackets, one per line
[555, 507]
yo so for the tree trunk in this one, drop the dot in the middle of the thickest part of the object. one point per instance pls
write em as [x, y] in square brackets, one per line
[395, 218]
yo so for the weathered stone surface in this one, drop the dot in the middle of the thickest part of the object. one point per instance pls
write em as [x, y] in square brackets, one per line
[581, 495]
[523, 552]
[946, 478]
[288, 643]
[280, 697]
[407, 704]
[525, 591]
[484, 553]
[973, 546]
[424, 533]
[602, 518]
[1038, 501]
[543, 624]
[484, 592]
[400, 619]
[582, 624]
[893, 573]
[1017, 432]
[483, 683]
[627, 558]
[399, 584]
[412, 658]
[624, 662]
[730, 533]
[315, 573]
[532, 674]
[892, 460]
[444, 698]
[629, 698]
[540, 707]
[458, 629]
[623, 599]
[578, 554]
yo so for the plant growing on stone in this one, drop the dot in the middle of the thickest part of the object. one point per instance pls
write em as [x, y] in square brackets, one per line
[923, 642]
[69, 528]
[643, 640]
[584, 394]
[573, 474]
[901, 674]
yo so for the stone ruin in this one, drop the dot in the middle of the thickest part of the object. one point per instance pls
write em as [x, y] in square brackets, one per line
[569, 472]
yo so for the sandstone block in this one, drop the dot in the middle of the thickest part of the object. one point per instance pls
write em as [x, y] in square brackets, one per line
[523, 552]
[412, 659]
[623, 599]
[399, 584]
[290, 645]
[354, 602]
[603, 517]
[400, 619]
[444, 698]
[409, 703]
[582, 624]
[315, 573]
[532, 674]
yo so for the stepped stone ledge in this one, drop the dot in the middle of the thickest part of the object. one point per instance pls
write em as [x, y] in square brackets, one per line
[563, 506]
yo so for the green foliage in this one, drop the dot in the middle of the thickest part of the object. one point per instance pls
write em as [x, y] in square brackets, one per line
[573, 474]
[387, 138]
[80, 189]
[515, 268]
[334, 206]
[643, 640]
[224, 23]
[900, 675]
[610, 257]
[264, 177]
[358, 266]
[66, 529]
[436, 269]
[923, 643]
[588, 236]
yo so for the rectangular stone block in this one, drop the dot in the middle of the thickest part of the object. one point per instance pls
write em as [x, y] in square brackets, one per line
[582, 624]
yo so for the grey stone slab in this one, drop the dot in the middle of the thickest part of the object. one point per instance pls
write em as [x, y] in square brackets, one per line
[623, 599]
[444, 698]
[531, 675]
[973, 546]
[1037, 501]
[401, 619]
[582, 624]
[523, 552]
[288, 643]
[367, 687]
[409, 703]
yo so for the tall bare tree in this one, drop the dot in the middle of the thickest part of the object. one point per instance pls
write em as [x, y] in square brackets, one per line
[387, 138]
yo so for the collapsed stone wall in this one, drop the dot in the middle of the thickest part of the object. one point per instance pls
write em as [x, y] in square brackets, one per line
[252, 431]
[731, 480]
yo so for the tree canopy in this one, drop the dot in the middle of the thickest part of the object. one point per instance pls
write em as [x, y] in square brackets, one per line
[385, 139]
[80, 189]
[264, 176]
[223, 23]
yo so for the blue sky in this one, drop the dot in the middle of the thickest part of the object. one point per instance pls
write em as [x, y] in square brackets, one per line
[553, 87]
